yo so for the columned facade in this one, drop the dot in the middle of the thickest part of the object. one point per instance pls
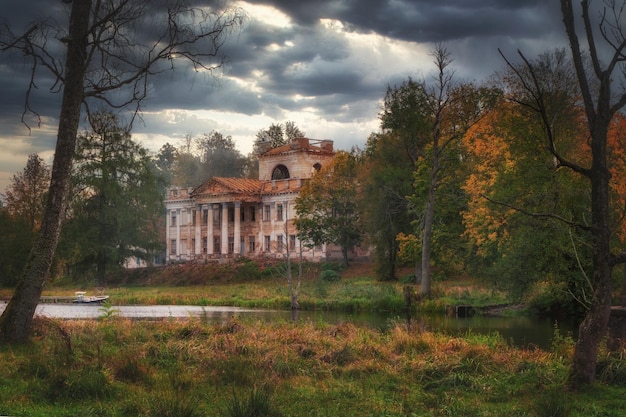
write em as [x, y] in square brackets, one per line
[226, 218]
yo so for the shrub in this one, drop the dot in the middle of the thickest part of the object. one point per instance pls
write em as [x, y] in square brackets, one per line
[257, 404]
[330, 275]
[553, 403]
[88, 383]
[334, 266]
[562, 346]
[612, 370]
[246, 269]
[175, 399]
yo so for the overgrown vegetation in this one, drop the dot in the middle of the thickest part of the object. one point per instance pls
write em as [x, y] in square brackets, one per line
[116, 367]
[325, 286]
[197, 367]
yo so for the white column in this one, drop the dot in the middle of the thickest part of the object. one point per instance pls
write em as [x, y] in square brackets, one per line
[260, 248]
[224, 220]
[178, 220]
[272, 228]
[198, 248]
[237, 231]
[209, 230]
[168, 239]
[190, 249]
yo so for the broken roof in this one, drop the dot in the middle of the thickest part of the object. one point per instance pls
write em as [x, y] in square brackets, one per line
[303, 144]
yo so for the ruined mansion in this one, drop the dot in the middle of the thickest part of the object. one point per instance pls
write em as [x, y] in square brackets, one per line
[227, 218]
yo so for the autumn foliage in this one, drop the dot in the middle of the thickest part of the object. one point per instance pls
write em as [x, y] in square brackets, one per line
[617, 146]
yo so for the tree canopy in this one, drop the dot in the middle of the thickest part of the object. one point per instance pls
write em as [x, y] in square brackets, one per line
[327, 208]
[219, 156]
[25, 196]
[116, 201]
[385, 178]
[276, 135]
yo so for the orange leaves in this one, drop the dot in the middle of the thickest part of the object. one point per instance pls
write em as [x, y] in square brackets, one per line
[490, 156]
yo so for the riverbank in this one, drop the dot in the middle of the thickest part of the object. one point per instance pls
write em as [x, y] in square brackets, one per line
[115, 367]
[251, 285]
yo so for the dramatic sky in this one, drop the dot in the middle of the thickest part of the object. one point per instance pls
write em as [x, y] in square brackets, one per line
[324, 64]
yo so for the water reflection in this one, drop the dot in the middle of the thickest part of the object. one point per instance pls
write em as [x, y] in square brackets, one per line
[520, 331]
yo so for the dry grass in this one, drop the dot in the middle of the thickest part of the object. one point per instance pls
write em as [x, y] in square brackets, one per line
[338, 369]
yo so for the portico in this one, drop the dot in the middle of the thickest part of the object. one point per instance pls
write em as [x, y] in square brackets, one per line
[225, 218]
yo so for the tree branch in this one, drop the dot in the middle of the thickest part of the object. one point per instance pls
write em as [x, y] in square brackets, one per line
[568, 19]
[595, 61]
[536, 92]
[538, 215]
[618, 258]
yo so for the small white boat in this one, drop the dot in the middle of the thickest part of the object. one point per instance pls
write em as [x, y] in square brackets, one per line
[83, 298]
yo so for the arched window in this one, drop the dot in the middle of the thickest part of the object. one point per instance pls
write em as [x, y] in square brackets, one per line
[280, 173]
[317, 166]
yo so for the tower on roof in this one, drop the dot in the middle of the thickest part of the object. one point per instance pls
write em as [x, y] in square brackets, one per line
[297, 159]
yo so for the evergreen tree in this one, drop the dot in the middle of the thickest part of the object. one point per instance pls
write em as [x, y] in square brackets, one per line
[25, 196]
[219, 156]
[164, 162]
[117, 200]
[386, 175]
[17, 238]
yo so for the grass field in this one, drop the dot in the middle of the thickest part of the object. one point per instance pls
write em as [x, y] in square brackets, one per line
[116, 367]
[195, 367]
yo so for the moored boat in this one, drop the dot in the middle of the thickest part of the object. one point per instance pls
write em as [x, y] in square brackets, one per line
[83, 298]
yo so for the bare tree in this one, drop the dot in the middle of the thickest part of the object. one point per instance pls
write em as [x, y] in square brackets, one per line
[600, 111]
[436, 118]
[601, 105]
[111, 49]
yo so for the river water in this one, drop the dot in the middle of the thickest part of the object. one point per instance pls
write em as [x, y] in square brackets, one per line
[520, 331]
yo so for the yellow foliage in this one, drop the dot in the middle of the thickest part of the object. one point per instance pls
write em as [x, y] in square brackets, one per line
[409, 247]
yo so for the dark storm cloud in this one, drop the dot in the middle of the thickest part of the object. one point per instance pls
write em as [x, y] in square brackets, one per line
[473, 31]
[275, 69]
[200, 92]
[315, 66]
[306, 69]
[430, 20]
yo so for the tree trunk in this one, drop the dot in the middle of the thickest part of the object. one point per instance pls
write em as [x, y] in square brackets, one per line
[594, 326]
[623, 298]
[418, 271]
[16, 321]
[101, 266]
[427, 233]
[344, 253]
